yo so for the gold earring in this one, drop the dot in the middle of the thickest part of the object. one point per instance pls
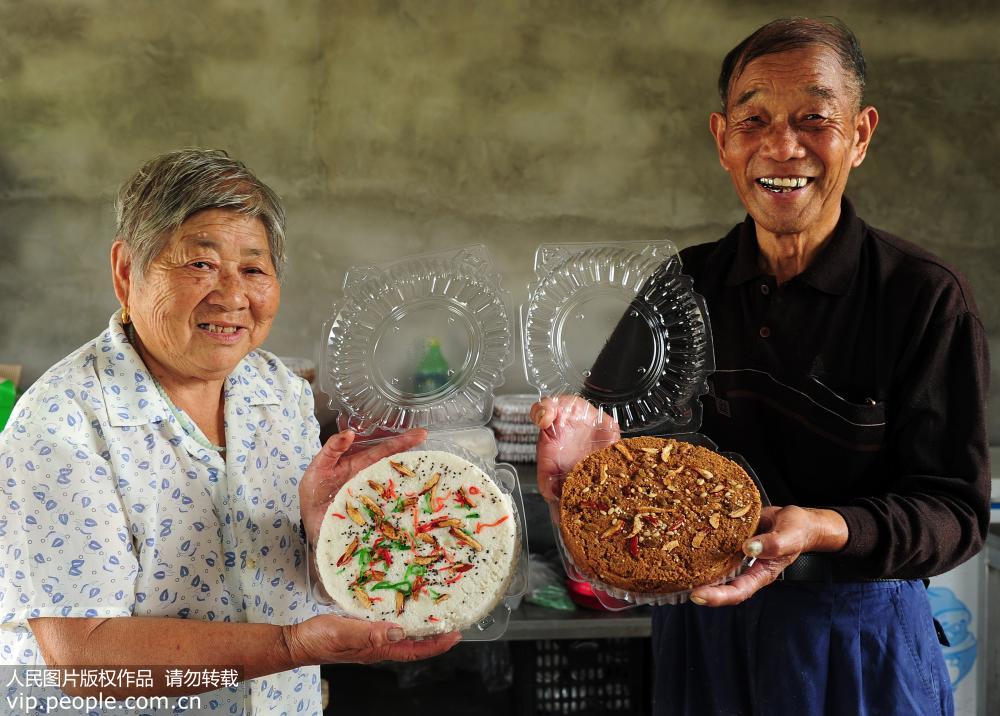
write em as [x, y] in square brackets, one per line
[125, 317]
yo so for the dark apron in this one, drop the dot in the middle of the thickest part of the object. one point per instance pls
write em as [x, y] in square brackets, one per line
[836, 646]
[803, 648]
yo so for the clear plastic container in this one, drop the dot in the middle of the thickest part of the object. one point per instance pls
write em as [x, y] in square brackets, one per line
[422, 342]
[587, 300]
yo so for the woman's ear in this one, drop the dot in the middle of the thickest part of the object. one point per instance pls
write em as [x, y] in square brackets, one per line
[121, 270]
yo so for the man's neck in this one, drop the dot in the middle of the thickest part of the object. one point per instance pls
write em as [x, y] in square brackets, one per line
[785, 256]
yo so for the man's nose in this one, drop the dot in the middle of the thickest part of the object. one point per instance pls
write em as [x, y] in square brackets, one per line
[781, 143]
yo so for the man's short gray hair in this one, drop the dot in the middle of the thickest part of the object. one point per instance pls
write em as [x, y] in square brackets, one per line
[167, 190]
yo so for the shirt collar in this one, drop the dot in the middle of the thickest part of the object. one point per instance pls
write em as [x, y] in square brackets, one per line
[131, 396]
[831, 271]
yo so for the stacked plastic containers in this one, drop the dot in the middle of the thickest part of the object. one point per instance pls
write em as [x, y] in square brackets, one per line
[423, 342]
[621, 326]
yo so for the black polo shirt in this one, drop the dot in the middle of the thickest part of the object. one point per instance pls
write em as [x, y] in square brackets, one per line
[859, 385]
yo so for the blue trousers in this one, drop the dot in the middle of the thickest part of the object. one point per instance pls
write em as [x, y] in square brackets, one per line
[803, 648]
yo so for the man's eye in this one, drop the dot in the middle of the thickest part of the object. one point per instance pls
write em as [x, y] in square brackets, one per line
[814, 117]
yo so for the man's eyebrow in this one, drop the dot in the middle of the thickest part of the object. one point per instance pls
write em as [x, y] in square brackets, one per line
[745, 97]
[821, 91]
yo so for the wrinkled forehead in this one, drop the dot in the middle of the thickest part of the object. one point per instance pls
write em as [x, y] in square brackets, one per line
[810, 72]
[222, 232]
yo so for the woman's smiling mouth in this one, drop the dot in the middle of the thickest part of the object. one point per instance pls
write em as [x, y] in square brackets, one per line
[216, 328]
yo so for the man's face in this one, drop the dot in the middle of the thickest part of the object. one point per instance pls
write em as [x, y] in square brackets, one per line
[790, 137]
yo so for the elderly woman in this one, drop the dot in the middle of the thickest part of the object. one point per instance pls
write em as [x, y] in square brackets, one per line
[155, 478]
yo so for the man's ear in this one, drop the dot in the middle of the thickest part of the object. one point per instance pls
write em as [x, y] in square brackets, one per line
[864, 128]
[717, 126]
[121, 270]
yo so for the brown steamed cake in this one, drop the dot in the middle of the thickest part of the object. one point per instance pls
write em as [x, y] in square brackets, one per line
[657, 515]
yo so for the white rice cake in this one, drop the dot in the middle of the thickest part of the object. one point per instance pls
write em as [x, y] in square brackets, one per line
[424, 539]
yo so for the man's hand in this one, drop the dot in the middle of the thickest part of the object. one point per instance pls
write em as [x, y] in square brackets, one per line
[571, 428]
[329, 639]
[785, 533]
[332, 467]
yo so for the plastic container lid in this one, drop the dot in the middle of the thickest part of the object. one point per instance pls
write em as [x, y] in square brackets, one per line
[421, 342]
[587, 294]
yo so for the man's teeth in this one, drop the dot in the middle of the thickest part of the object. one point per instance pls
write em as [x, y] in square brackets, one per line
[212, 328]
[782, 184]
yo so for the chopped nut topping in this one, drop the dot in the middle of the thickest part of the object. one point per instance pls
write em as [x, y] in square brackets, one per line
[440, 598]
[430, 484]
[388, 530]
[400, 603]
[704, 473]
[409, 502]
[424, 561]
[624, 451]
[348, 553]
[665, 452]
[654, 510]
[378, 488]
[465, 497]
[714, 520]
[698, 539]
[355, 514]
[378, 575]
[718, 488]
[372, 505]
[636, 527]
[672, 488]
[360, 595]
[401, 469]
[450, 522]
[739, 512]
[671, 545]
[604, 473]
[649, 450]
[615, 526]
[462, 537]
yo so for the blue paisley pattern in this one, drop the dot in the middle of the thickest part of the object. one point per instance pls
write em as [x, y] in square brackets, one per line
[111, 510]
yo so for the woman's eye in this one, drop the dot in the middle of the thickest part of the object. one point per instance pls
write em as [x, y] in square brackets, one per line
[200, 265]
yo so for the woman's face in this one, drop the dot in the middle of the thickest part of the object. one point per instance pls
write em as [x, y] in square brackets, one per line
[206, 301]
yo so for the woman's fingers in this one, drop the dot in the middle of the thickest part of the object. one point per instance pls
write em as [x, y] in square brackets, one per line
[329, 639]
[369, 455]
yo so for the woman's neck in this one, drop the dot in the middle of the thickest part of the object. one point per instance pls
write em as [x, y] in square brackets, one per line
[200, 399]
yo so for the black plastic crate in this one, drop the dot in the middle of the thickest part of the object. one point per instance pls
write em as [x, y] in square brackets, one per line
[582, 676]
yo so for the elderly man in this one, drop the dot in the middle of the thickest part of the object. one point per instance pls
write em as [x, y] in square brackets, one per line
[852, 374]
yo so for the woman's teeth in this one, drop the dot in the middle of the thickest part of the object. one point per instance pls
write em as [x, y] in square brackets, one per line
[212, 328]
[782, 184]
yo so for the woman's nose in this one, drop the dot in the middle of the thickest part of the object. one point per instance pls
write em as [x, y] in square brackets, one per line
[230, 291]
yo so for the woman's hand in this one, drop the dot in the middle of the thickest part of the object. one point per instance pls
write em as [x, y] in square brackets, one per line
[329, 639]
[331, 468]
[785, 533]
[571, 428]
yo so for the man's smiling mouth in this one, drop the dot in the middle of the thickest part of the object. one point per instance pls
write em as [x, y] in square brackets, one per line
[783, 185]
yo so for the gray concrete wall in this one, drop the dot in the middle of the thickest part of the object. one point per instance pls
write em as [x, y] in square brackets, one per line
[398, 127]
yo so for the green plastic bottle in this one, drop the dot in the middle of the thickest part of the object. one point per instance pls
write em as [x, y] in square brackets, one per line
[432, 373]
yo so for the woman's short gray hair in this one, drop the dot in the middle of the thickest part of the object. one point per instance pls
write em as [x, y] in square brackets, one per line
[170, 188]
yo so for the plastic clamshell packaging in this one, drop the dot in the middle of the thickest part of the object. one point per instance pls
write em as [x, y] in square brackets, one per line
[422, 342]
[587, 297]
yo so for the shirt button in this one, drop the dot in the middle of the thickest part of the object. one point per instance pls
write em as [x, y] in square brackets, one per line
[765, 289]
[765, 332]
